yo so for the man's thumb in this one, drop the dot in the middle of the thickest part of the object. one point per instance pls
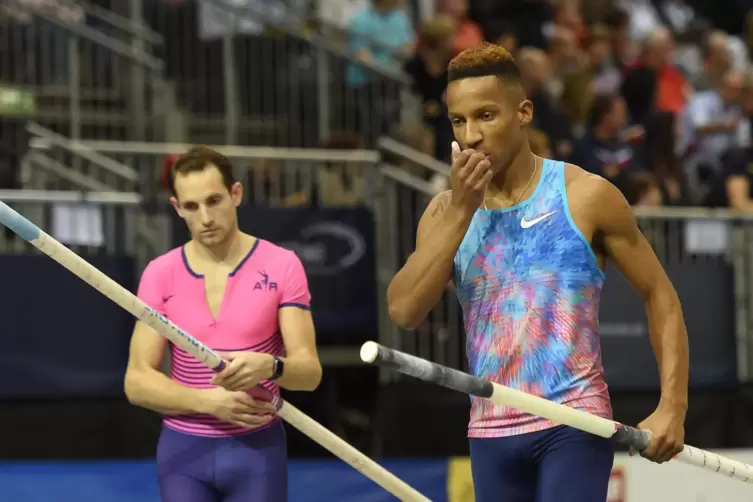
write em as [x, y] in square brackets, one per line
[227, 356]
[455, 150]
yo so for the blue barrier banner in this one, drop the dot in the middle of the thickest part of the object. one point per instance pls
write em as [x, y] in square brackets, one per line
[706, 294]
[61, 338]
[309, 481]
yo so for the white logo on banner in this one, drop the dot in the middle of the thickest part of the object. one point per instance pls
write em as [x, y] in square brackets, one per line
[319, 256]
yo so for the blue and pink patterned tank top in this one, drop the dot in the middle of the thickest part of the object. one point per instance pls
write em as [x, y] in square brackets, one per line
[529, 285]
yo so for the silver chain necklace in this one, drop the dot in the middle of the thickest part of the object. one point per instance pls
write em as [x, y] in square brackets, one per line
[524, 190]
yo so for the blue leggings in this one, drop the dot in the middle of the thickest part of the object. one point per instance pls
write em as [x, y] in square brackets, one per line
[252, 467]
[560, 464]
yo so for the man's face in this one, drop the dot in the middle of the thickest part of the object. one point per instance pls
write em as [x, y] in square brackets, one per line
[489, 115]
[207, 206]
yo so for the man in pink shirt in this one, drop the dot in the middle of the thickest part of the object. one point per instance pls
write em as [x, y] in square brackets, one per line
[246, 298]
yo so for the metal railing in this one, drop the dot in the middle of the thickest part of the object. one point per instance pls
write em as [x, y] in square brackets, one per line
[101, 222]
[271, 176]
[681, 237]
[262, 75]
[71, 161]
[93, 72]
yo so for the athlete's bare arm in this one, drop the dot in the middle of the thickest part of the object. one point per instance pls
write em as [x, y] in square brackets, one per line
[303, 371]
[419, 285]
[634, 257]
[603, 210]
[148, 387]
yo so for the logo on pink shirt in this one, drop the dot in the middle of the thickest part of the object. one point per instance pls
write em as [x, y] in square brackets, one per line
[265, 284]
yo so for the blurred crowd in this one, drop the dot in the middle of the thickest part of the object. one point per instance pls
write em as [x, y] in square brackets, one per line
[645, 93]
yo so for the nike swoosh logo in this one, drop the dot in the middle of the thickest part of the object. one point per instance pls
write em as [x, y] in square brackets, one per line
[528, 224]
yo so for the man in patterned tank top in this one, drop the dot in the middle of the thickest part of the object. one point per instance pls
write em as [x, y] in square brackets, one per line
[246, 297]
[524, 240]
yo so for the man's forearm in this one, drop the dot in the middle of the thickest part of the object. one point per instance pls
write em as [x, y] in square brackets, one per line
[422, 281]
[301, 373]
[669, 339]
[156, 391]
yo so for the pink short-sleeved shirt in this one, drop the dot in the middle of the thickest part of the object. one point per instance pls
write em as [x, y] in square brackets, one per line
[267, 279]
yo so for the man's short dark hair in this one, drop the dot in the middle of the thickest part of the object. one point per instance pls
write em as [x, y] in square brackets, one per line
[199, 158]
[483, 60]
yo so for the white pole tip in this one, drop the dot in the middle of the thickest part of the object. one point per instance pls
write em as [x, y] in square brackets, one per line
[369, 352]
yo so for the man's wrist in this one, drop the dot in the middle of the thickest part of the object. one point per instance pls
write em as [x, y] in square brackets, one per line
[269, 367]
[674, 405]
[200, 402]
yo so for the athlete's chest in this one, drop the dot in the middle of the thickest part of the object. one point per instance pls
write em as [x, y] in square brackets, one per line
[537, 242]
[227, 310]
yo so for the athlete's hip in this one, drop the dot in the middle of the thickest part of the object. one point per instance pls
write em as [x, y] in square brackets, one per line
[174, 444]
[490, 420]
[210, 427]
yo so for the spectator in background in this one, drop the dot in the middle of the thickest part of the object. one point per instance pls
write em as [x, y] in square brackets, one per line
[644, 18]
[563, 51]
[745, 128]
[623, 51]
[606, 76]
[678, 14]
[642, 189]
[549, 117]
[385, 29]
[567, 18]
[428, 69]
[734, 188]
[717, 60]
[604, 150]
[597, 77]
[467, 32]
[689, 53]
[340, 184]
[168, 161]
[377, 33]
[709, 130]
[596, 11]
[503, 33]
[338, 13]
[661, 157]
[654, 83]
[274, 183]
[748, 33]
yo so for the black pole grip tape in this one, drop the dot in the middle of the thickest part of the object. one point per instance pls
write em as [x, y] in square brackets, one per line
[632, 437]
[434, 373]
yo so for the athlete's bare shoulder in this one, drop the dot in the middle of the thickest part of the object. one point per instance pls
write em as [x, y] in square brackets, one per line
[433, 213]
[591, 197]
[582, 184]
